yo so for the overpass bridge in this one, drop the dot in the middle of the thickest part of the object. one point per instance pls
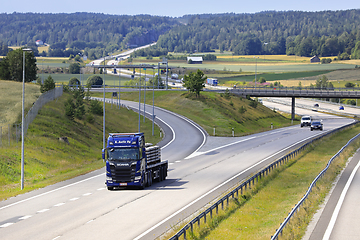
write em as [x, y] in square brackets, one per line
[295, 92]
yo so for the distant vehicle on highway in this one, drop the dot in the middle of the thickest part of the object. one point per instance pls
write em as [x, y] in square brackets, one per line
[341, 108]
[316, 125]
[316, 105]
[305, 121]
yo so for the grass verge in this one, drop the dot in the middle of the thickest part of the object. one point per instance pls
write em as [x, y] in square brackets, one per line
[214, 110]
[48, 160]
[258, 212]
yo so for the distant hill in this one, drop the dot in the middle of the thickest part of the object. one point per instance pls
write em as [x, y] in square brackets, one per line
[82, 30]
[325, 33]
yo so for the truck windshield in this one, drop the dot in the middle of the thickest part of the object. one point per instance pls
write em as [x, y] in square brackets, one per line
[123, 153]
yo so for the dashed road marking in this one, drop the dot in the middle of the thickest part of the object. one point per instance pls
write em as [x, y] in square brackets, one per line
[59, 204]
[74, 199]
[25, 217]
[43, 210]
[6, 225]
[87, 194]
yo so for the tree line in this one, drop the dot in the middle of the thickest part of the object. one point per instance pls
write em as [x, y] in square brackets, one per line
[94, 34]
[326, 33]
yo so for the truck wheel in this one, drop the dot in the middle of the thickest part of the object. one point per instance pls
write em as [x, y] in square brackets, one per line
[161, 176]
[150, 178]
[164, 173]
[110, 188]
[143, 183]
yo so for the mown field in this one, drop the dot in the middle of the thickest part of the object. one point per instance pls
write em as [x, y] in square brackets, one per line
[213, 110]
[11, 100]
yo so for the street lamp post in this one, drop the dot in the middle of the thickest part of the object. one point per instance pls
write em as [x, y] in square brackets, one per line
[255, 69]
[104, 144]
[23, 119]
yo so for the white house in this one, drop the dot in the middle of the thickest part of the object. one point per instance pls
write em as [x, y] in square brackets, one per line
[194, 60]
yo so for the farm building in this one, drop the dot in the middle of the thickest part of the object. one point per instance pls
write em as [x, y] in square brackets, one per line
[39, 43]
[315, 59]
[194, 60]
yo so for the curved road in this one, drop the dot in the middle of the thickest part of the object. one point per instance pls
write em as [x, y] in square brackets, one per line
[81, 208]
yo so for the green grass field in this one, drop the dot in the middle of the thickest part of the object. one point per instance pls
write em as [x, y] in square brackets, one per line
[258, 212]
[11, 100]
[49, 160]
[213, 110]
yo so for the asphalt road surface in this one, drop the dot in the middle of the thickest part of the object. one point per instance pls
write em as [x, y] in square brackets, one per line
[200, 168]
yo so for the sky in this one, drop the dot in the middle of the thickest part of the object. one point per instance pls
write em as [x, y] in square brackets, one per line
[173, 8]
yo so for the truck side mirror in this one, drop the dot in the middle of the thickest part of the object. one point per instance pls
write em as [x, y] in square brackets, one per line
[103, 153]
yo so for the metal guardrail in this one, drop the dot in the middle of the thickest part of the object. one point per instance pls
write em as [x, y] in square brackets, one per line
[312, 185]
[247, 184]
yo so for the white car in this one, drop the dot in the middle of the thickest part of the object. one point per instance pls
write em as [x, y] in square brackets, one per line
[305, 121]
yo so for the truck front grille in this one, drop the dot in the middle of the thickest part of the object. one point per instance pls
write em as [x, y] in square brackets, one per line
[123, 174]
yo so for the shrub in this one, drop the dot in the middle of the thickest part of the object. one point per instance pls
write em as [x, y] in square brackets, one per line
[94, 81]
[48, 85]
[74, 82]
[349, 85]
[253, 103]
[74, 68]
[96, 108]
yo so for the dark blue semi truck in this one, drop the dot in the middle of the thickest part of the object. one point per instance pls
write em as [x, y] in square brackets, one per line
[130, 162]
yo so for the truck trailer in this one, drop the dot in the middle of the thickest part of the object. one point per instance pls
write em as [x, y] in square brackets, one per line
[212, 81]
[130, 162]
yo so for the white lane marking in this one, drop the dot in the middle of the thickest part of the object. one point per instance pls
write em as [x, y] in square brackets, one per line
[56, 237]
[87, 194]
[99, 189]
[171, 163]
[6, 225]
[25, 217]
[215, 188]
[339, 204]
[187, 120]
[57, 189]
[59, 204]
[177, 161]
[74, 199]
[43, 210]
[195, 154]
[90, 221]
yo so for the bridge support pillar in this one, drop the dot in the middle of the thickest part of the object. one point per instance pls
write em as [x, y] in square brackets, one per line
[293, 108]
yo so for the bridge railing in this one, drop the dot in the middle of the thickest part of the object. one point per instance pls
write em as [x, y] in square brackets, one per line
[292, 91]
[209, 212]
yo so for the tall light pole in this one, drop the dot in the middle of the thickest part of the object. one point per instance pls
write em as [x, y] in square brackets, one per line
[255, 68]
[23, 120]
[104, 144]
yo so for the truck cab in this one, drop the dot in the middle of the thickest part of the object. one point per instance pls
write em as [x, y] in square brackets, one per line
[128, 163]
[125, 160]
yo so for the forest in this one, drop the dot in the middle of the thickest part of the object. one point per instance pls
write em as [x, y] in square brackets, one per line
[326, 33]
[93, 33]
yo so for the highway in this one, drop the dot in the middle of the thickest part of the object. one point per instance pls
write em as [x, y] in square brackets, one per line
[201, 168]
[339, 216]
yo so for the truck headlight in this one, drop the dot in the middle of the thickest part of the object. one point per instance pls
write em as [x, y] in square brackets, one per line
[108, 178]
